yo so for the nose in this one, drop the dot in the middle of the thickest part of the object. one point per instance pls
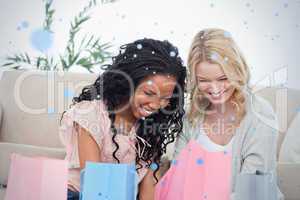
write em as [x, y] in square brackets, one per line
[216, 86]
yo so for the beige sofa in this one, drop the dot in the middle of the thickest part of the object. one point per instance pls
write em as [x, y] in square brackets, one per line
[32, 103]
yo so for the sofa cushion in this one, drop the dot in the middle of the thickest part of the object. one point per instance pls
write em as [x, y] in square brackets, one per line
[6, 149]
[1, 113]
[33, 102]
[288, 179]
[284, 101]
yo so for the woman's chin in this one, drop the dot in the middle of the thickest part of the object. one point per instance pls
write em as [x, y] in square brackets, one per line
[140, 114]
[217, 102]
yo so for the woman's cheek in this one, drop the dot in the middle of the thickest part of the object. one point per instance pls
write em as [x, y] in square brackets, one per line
[227, 85]
[202, 86]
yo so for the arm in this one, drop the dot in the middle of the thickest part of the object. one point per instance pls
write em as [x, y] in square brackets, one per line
[259, 152]
[183, 138]
[88, 149]
[259, 147]
[147, 186]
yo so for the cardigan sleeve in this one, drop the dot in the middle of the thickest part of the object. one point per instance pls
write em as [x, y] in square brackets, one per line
[260, 145]
[259, 153]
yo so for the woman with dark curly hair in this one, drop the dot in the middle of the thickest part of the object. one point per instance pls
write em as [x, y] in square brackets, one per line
[130, 114]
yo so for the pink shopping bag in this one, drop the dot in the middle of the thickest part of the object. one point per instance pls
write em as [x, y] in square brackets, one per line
[196, 174]
[36, 178]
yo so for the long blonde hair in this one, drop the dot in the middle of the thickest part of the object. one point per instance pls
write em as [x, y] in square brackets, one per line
[216, 46]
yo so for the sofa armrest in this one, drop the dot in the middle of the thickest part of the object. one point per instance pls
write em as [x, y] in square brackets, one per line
[288, 175]
[6, 149]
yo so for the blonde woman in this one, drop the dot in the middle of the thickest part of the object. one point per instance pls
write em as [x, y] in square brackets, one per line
[224, 115]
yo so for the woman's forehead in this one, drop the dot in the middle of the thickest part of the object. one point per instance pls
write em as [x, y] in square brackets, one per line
[209, 70]
[159, 82]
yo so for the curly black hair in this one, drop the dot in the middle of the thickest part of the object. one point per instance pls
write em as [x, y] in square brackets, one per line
[137, 61]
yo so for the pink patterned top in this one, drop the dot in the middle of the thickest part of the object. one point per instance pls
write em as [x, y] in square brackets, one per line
[93, 116]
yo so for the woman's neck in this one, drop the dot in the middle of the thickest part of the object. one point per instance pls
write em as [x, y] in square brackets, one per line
[220, 123]
[221, 109]
[125, 120]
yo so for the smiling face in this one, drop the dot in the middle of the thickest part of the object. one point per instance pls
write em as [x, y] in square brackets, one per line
[152, 94]
[213, 83]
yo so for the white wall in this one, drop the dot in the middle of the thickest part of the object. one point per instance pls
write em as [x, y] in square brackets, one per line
[265, 30]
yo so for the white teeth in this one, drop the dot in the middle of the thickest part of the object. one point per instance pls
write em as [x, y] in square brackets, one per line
[214, 94]
[147, 111]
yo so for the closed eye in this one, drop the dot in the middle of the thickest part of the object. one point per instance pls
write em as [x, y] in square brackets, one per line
[223, 79]
[202, 80]
[149, 93]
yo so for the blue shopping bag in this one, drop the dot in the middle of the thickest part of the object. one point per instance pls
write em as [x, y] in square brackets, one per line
[105, 181]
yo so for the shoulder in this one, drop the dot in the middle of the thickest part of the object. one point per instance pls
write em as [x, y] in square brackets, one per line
[259, 126]
[91, 115]
[89, 106]
[94, 109]
[261, 111]
[260, 105]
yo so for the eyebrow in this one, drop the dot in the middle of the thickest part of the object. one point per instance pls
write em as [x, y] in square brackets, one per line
[150, 90]
[201, 77]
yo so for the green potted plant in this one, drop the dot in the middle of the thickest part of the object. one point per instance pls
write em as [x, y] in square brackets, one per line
[87, 52]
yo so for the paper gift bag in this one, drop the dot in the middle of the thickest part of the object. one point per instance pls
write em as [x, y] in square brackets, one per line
[196, 174]
[256, 186]
[108, 181]
[37, 178]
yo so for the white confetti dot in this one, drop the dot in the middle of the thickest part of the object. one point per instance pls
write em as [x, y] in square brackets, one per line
[214, 56]
[139, 46]
[172, 54]
[149, 82]
[227, 34]
[232, 118]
